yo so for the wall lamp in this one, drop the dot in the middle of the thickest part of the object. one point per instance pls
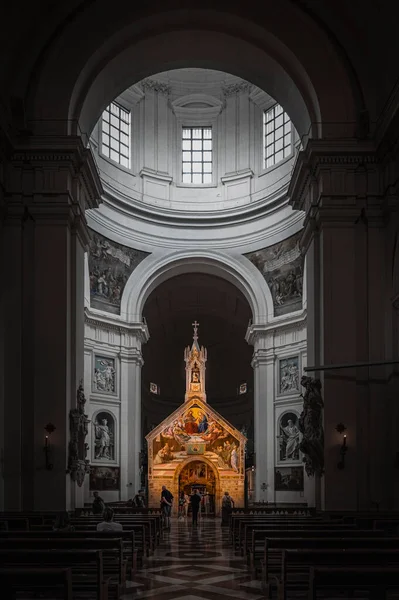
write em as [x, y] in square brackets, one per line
[344, 448]
[47, 447]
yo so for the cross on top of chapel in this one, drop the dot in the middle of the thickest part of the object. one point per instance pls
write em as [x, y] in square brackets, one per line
[195, 325]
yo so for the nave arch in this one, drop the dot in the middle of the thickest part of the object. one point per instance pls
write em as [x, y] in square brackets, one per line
[70, 89]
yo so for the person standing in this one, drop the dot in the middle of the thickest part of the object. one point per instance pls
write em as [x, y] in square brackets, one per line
[166, 505]
[195, 501]
[98, 504]
[227, 509]
[207, 504]
[182, 504]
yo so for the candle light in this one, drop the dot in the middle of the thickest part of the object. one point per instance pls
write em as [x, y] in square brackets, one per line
[344, 440]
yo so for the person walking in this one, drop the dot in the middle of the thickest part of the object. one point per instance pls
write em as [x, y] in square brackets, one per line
[195, 501]
[166, 505]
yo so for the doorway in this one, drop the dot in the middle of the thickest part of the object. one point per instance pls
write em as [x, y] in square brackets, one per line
[199, 475]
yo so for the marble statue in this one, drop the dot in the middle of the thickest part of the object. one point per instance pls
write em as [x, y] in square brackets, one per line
[292, 439]
[104, 439]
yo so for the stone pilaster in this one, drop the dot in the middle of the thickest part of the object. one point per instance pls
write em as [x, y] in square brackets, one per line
[339, 188]
[48, 185]
[263, 366]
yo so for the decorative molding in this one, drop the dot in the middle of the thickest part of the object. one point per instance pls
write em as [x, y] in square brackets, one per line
[146, 172]
[255, 333]
[321, 154]
[139, 330]
[155, 86]
[232, 89]
[230, 177]
[183, 111]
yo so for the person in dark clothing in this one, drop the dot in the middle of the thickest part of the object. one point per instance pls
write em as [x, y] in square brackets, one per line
[166, 504]
[98, 504]
[195, 501]
[139, 500]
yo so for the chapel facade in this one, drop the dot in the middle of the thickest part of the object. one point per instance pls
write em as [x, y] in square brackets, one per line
[195, 448]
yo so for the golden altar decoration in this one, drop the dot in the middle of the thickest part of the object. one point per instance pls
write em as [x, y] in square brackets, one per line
[195, 445]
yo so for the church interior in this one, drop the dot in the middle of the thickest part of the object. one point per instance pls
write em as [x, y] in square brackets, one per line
[199, 367]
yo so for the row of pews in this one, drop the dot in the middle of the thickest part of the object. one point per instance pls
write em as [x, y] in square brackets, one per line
[83, 563]
[298, 554]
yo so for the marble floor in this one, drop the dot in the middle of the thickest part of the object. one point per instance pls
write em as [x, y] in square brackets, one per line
[194, 563]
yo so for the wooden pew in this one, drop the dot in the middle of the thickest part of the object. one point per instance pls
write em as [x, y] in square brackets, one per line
[256, 550]
[253, 533]
[86, 567]
[131, 555]
[296, 564]
[239, 523]
[56, 582]
[378, 581]
[274, 548]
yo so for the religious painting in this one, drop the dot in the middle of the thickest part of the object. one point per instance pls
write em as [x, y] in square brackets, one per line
[289, 437]
[104, 436]
[197, 475]
[282, 267]
[104, 479]
[104, 376]
[195, 431]
[288, 479]
[110, 266]
[288, 377]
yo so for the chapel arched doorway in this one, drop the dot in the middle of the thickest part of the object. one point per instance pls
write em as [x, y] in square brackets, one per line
[198, 475]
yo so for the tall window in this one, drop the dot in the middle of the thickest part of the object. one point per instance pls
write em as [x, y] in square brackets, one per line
[277, 135]
[116, 134]
[197, 155]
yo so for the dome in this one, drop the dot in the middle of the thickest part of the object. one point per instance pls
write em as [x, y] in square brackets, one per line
[192, 156]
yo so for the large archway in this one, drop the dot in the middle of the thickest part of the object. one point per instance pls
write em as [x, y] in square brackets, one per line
[118, 52]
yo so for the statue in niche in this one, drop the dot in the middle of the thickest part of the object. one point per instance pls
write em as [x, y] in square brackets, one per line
[195, 376]
[289, 437]
[103, 434]
[311, 427]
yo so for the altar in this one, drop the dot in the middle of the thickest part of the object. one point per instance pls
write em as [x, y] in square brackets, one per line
[195, 447]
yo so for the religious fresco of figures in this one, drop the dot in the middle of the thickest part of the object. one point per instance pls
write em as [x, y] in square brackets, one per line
[282, 267]
[289, 437]
[104, 375]
[104, 436]
[195, 432]
[104, 479]
[288, 479]
[110, 266]
[288, 376]
[197, 473]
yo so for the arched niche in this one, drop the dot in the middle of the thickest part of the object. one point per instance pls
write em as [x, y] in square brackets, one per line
[288, 438]
[70, 89]
[104, 437]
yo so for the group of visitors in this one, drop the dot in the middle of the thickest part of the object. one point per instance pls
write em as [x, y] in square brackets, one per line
[195, 500]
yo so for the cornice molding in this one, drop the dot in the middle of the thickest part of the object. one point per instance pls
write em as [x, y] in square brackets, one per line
[320, 155]
[107, 323]
[257, 332]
